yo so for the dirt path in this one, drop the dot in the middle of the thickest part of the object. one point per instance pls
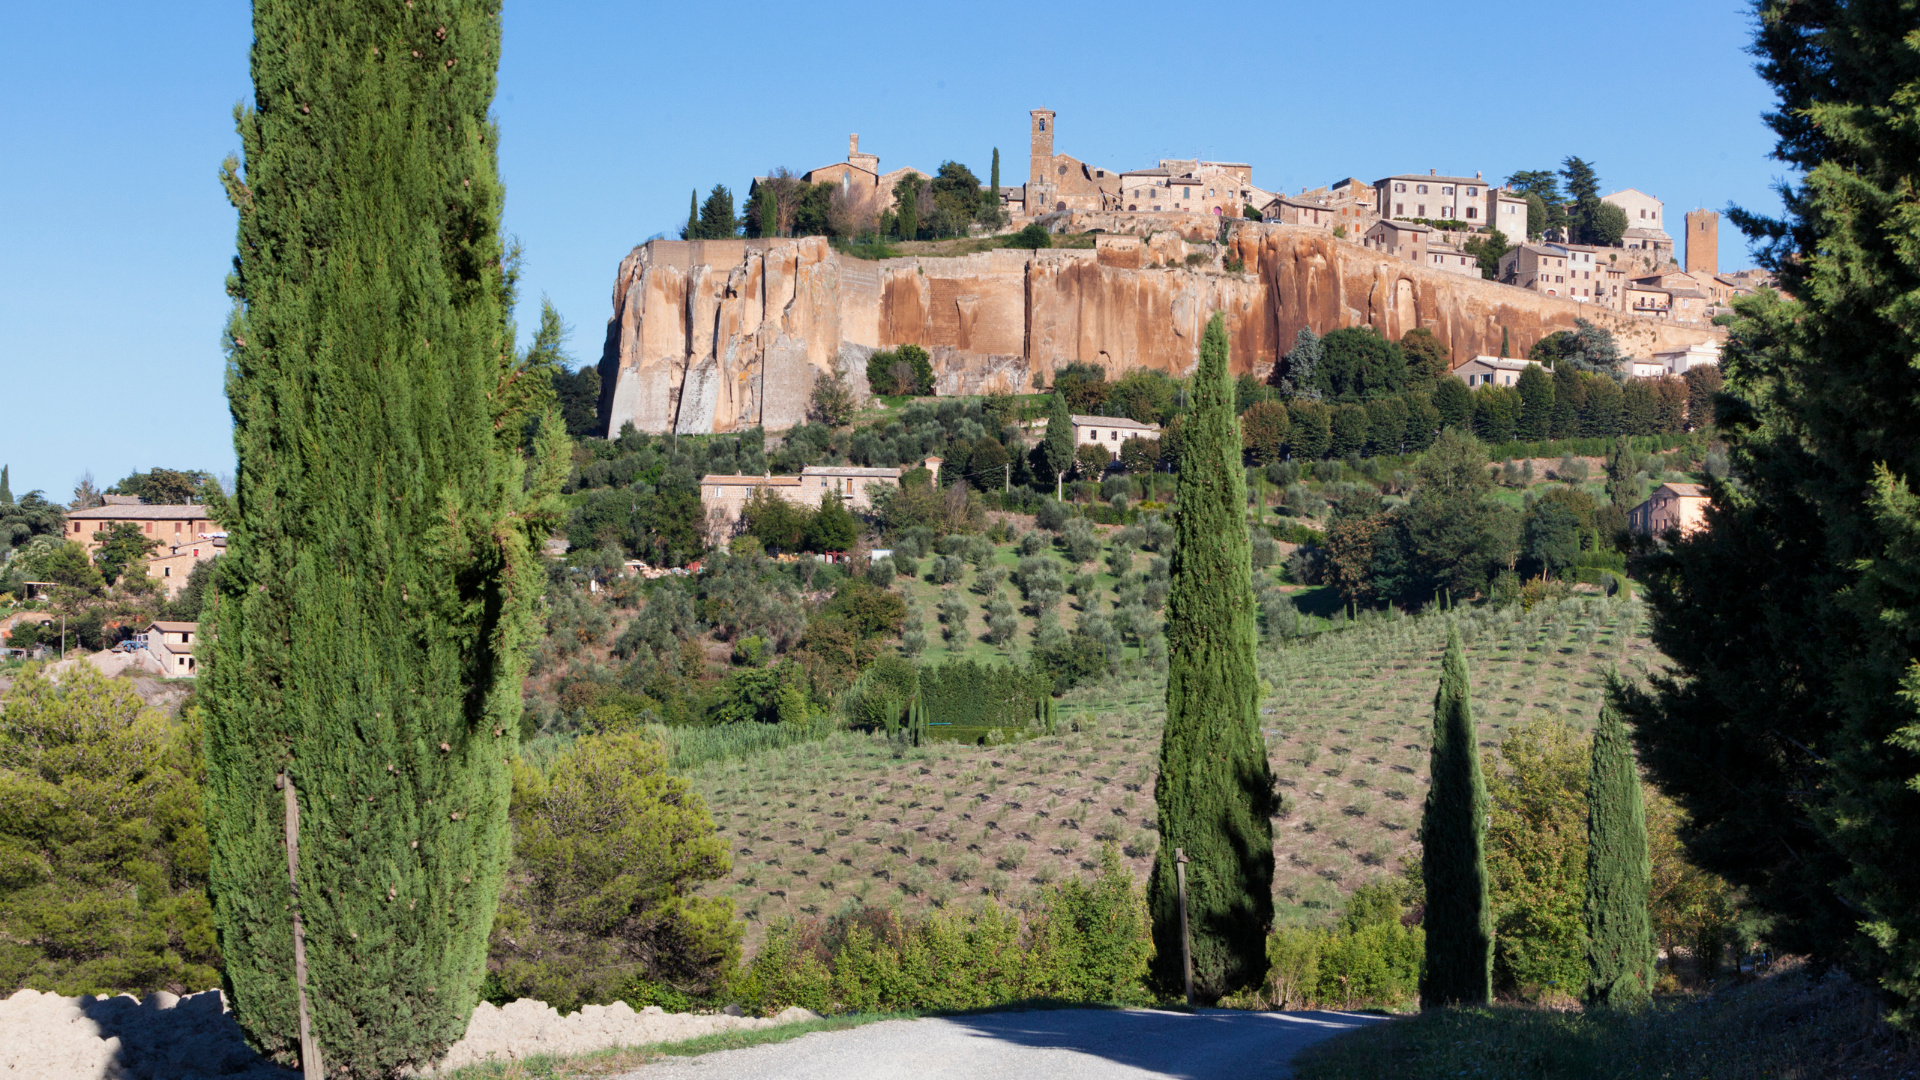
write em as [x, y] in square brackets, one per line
[1068, 1044]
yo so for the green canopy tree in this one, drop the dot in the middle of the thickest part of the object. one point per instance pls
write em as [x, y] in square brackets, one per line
[376, 602]
[1619, 872]
[1787, 726]
[1215, 794]
[1453, 837]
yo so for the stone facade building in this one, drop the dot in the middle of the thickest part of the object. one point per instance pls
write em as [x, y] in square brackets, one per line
[1703, 243]
[1434, 197]
[1540, 268]
[187, 535]
[1673, 506]
[723, 497]
[1401, 239]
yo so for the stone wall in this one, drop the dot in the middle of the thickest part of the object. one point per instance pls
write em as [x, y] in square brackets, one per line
[722, 335]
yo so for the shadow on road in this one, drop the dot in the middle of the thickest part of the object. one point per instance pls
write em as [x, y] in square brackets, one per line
[1212, 1044]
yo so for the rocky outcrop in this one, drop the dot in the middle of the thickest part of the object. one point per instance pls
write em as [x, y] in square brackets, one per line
[723, 335]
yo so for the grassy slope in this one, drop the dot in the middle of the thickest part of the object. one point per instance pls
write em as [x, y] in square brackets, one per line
[819, 826]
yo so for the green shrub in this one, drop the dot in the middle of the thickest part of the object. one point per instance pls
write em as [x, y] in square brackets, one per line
[1084, 941]
[608, 849]
[1033, 236]
[103, 854]
[1368, 959]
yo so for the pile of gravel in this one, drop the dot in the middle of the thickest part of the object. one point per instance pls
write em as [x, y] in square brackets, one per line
[166, 1037]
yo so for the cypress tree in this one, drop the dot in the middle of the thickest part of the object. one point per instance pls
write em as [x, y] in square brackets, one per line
[1058, 445]
[374, 608]
[1505, 344]
[1215, 793]
[692, 231]
[993, 186]
[1453, 835]
[6, 488]
[1619, 872]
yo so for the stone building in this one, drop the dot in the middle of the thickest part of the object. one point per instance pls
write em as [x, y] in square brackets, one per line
[866, 189]
[1401, 239]
[170, 646]
[1492, 371]
[1646, 227]
[187, 535]
[723, 497]
[1434, 197]
[1540, 268]
[1673, 506]
[1703, 243]
[1451, 259]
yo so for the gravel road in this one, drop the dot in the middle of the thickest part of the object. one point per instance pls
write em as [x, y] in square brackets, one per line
[1068, 1044]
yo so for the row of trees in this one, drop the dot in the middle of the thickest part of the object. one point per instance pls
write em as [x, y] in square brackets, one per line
[1577, 210]
[947, 203]
[1460, 917]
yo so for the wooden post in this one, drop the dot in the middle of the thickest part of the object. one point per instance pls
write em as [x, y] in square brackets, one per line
[310, 1067]
[1186, 939]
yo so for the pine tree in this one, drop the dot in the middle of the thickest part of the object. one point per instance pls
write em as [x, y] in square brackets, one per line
[1619, 872]
[1215, 794]
[1787, 727]
[375, 604]
[1453, 832]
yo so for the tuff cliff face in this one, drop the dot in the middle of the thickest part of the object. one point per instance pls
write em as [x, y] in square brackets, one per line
[712, 336]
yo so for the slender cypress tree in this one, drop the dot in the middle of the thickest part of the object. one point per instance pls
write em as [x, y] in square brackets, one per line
[6, 488]
[993, 186]
[1058, 445]
[1215, 794]
[1619, 872]
[375, 604]
[1453, 838]
[692, 231]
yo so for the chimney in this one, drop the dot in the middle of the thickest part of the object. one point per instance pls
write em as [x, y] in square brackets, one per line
[1433, 172]
[853, 145]
[1476, 174]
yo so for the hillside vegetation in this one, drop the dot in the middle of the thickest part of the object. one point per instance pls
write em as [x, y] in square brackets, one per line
[858, 819]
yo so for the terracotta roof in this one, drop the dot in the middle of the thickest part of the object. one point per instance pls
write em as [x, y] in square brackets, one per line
[849, 470]
[1688, 491]
[776, 481]
[145, 512]
[176, 627]
[1112, 422]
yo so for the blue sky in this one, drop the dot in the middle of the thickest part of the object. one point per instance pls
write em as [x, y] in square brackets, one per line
[115, 239]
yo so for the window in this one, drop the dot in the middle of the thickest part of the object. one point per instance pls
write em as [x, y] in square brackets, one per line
[1398, 208]
[1399, 187]
[1472, 212]
[1421, 189]
[1094, 433]
[1043, 125]
[166, 571]
[1113, 436]
[149, 528]
[1099, 172]
[1063, 170]
[1186, 193]
[1643, 211]
[1471, 192]
[1422, 208]
[1446, 191]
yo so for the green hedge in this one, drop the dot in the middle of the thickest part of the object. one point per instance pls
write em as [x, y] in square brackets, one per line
[965, 699]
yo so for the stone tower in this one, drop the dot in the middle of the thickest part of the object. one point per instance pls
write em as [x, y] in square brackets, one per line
[1040, 186]
[1703, 242]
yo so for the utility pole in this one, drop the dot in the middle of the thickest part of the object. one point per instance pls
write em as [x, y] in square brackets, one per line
[1007, 483]
[1186, 939]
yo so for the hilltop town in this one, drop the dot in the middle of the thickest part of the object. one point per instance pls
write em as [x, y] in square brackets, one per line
[720, 331]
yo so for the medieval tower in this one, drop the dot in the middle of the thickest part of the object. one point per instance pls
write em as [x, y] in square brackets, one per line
[1703, 242]
[1040, 186]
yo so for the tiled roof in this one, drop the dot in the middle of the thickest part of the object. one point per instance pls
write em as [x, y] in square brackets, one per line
[144, 512]
[849, 470]
[1112, 422]
[762, 480]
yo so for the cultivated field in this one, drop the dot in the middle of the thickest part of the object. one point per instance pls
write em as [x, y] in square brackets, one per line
[855, 819]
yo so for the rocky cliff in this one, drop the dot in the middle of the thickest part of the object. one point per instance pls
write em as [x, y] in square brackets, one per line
[722, 335]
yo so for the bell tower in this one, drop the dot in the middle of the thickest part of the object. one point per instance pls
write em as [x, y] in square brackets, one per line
[1703, 242]
[1040, 186]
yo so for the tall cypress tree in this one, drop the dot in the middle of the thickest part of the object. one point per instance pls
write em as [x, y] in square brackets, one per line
[1619, 872]
[374, 607]
[1215, 793]
[1057, 447]
[692, 230]
[1787, 726]
[6, 487]
[993, 186]
[1453, 840]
